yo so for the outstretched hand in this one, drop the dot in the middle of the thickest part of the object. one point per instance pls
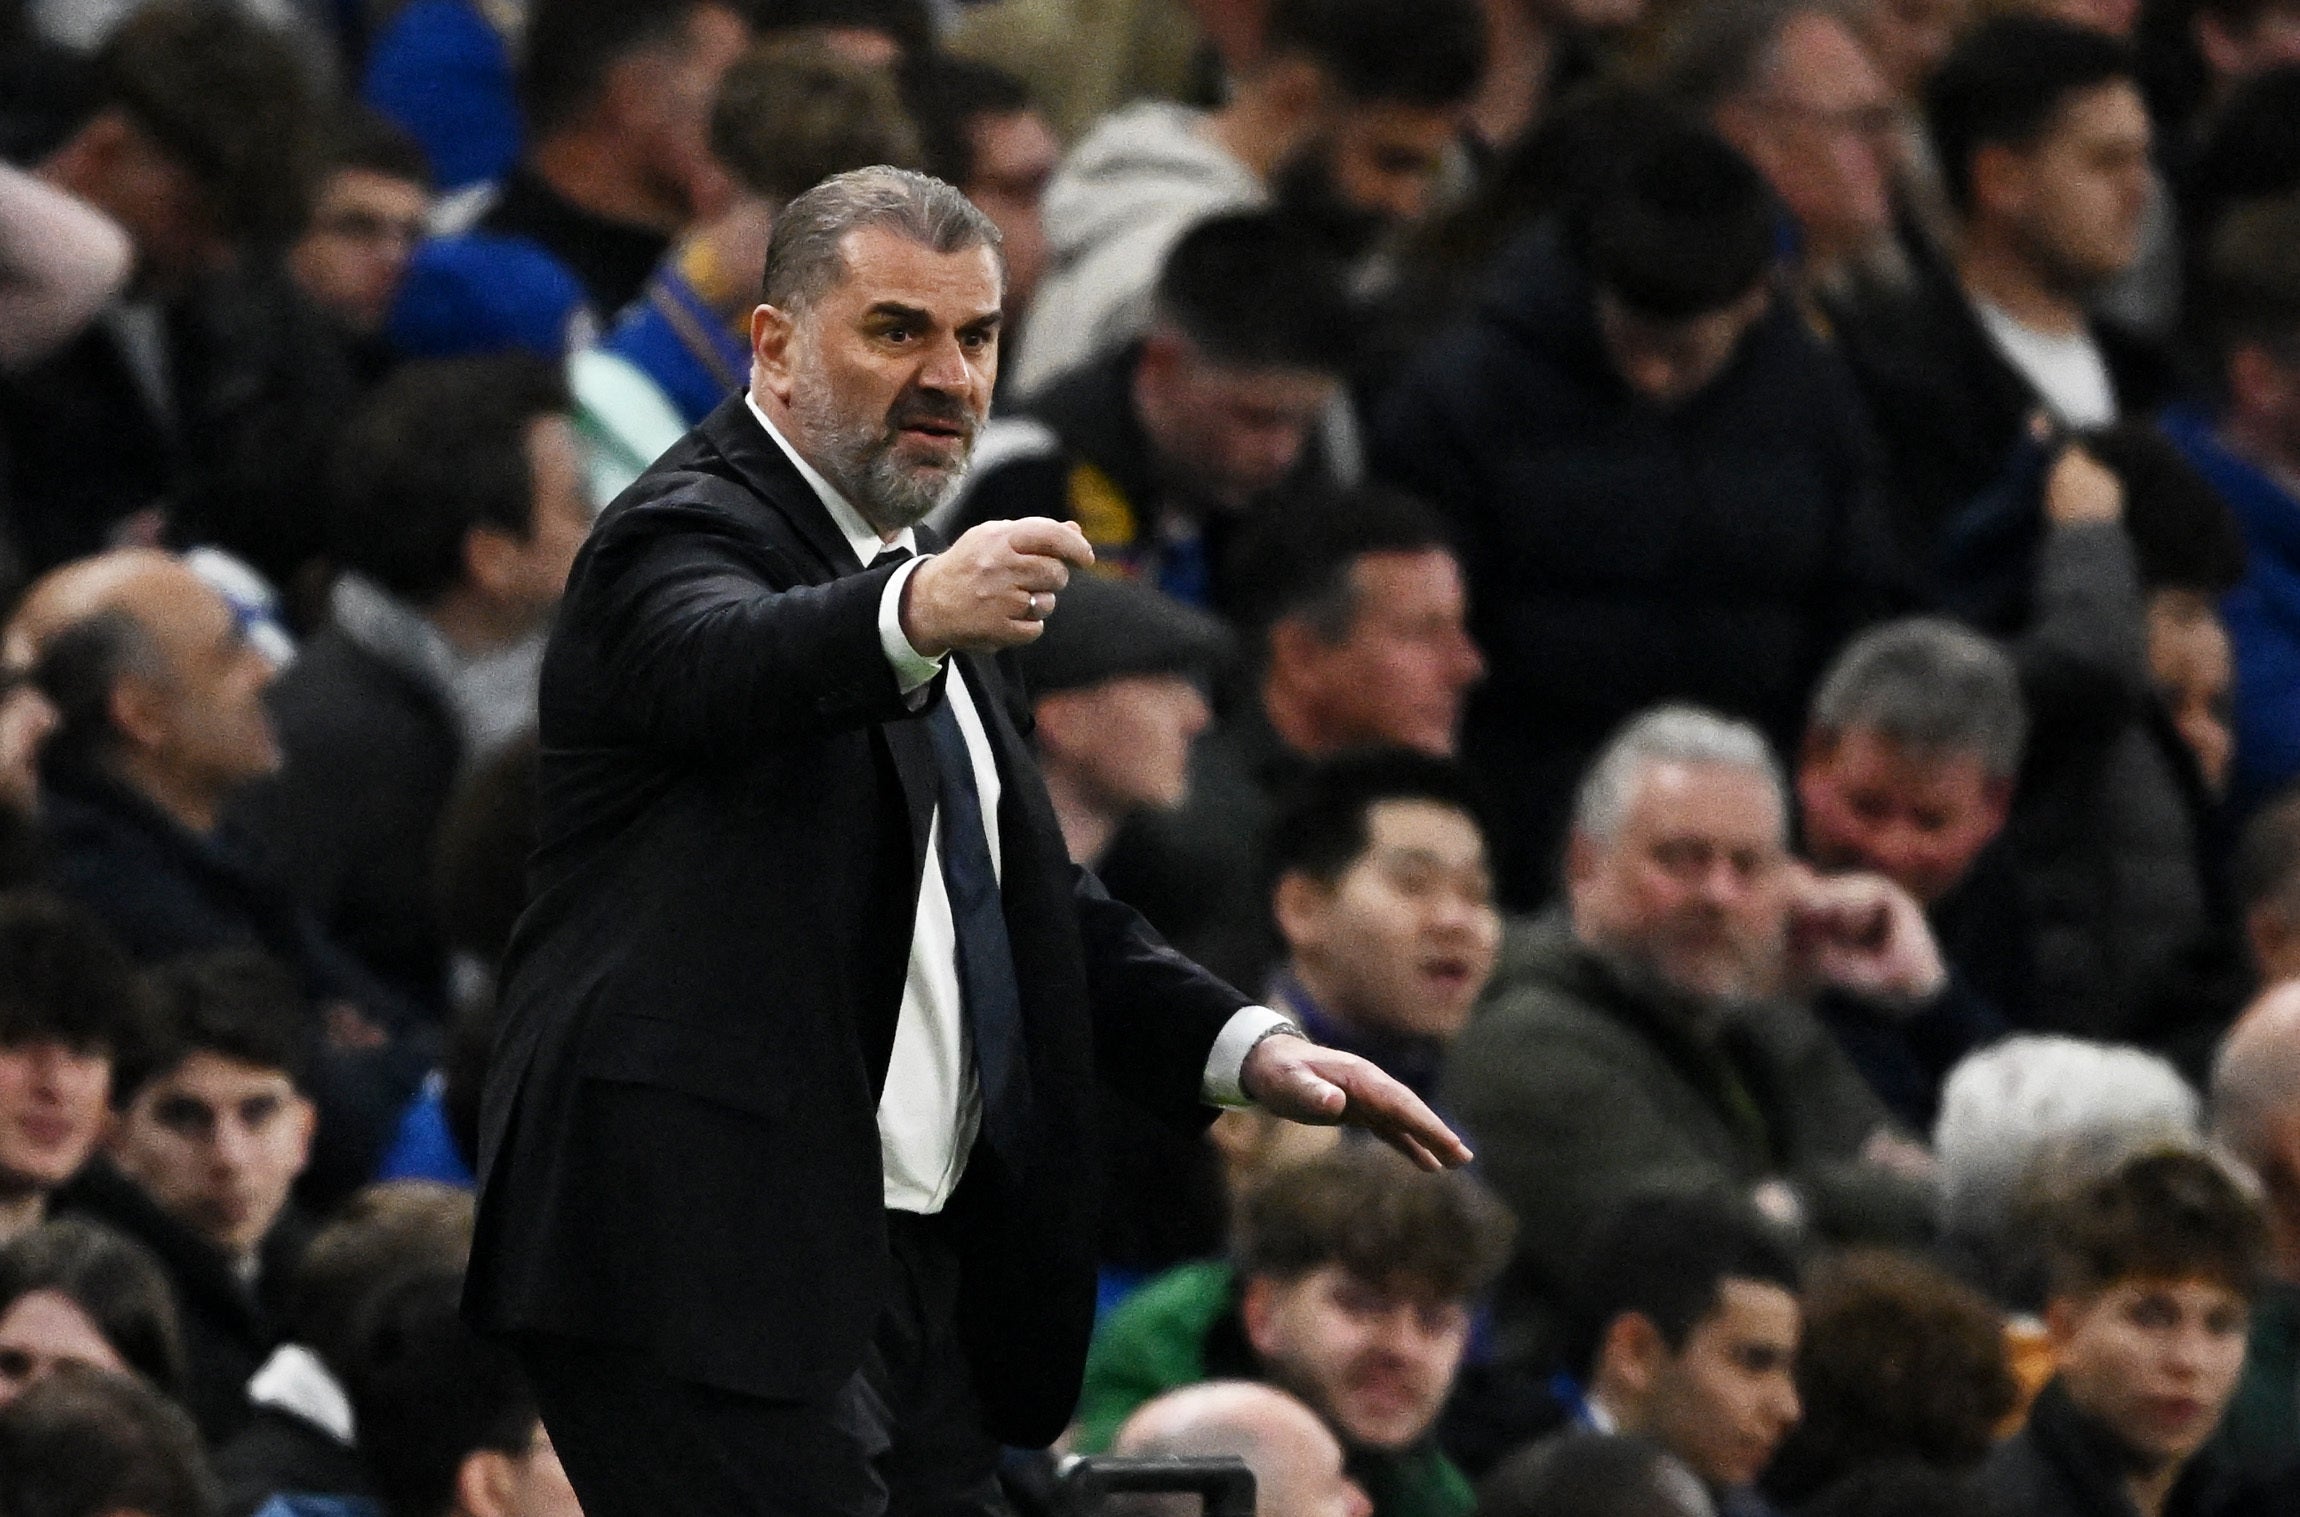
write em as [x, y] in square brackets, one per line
[1296, 1079]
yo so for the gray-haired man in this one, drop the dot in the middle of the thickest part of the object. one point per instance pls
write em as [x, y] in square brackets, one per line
[1655, 1034]
[786, 1156]
[1907, 770]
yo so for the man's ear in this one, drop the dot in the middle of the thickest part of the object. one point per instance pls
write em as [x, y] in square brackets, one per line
[485, 1484]
[1631, 1353]
[772, 331]
[2256, 381]
[2063, 1315]
[139, 710]
[307, 1123]
[1999, 178]
[491, 561]
[1299, 903]
[1997, 799]
[1258, 1312]
[1293, 648]
[1582, 856]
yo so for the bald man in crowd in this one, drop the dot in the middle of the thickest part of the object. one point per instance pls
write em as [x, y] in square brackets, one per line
[1297, 1464]
[2256, 1115]
[161, 723]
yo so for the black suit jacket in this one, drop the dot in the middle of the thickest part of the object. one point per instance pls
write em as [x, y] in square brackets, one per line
[679, 1144]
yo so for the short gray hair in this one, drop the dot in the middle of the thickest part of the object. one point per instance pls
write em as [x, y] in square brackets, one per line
[1669, 735]
[1929, 685]
[2035, 1115]
[803, 257]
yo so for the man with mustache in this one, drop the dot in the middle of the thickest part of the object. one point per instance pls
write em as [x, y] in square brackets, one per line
[786, 1156]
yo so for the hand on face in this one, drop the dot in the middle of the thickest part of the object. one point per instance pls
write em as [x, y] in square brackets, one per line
[1862, 934]
[994, 587]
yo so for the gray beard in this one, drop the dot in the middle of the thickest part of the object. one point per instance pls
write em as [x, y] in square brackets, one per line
[857, 457]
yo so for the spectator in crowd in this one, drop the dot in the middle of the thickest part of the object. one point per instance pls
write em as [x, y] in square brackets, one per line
[616, 95]
[1383, 930]
[1789, 84]
[1385, 903]
[1161, 448]
[1632, 372]
[373, 199]
[2043, 148]
[1117, 686]
[1684, 1330]
[211, 1134]
[458, 508]
[197, 140]
[2248, 452]
[442, 70]
[1083, 61]
[446, 1419]
[1345, 117]
[1295, 1459]
[1597, 1475]
[163, 724]
[982, 130]
[75, 1293]
[88, 1444]
[2028, 1116]
[2256, 1117]
[69, 1007]
[2113, 841]
[1907, 770]
[1899, 1362]
[2267, 890]
[1356, 622]
[789, 114]
[61, 262]
[301, 1437]
[1656, 1031]
[2153, 1270]
[1352, 1286]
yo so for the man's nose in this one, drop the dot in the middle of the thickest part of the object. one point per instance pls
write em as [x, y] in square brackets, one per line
[235, 1145]
[944, 368]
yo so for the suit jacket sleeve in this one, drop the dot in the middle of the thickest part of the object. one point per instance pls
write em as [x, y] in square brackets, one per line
[711, 644]
[1156, 1014]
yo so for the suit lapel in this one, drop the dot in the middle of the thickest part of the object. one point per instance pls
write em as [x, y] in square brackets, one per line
[762, 464]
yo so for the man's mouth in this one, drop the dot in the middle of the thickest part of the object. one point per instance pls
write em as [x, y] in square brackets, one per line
[1446, 973]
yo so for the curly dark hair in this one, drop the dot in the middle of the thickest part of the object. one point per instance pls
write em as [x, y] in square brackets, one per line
[1899, 1361]
[1366, 1208]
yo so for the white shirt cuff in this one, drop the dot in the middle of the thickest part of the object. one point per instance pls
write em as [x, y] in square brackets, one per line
[912, 669]
[1227, 1063]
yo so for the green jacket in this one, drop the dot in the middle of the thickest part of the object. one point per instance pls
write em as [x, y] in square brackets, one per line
[1182, 1328]
[1580, 1085]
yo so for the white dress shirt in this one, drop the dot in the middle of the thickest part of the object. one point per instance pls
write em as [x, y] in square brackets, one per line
[931, 1108]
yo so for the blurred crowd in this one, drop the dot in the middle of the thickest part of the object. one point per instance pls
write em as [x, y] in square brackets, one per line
[1713, 584]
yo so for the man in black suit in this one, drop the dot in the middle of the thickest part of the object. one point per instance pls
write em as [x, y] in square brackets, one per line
[786, 1159]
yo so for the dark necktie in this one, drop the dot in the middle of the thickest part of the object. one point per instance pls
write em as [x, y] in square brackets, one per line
[986, 982]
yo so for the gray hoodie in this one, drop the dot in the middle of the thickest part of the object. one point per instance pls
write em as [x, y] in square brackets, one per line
[1121, 199]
